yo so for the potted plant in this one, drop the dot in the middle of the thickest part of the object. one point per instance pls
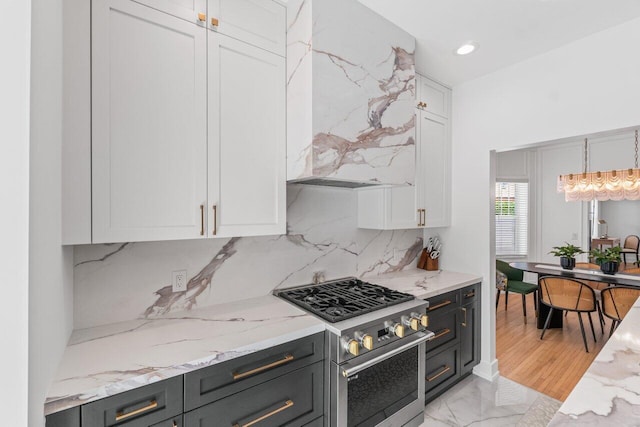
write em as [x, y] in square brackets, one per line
[567, 254]
[608, 259]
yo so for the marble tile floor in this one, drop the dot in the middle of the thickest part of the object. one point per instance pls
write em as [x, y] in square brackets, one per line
[478, 402]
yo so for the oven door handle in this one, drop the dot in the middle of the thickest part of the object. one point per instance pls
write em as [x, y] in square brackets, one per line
[422, 337]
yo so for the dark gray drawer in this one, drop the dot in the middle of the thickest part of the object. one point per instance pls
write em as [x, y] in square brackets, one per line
[216, 382]
[442, 303]
[171, 422]
[293, 399]
[440, 368]
[318, 422]
[469, 294]
[67, 418]
[444, 326]
[142, 407]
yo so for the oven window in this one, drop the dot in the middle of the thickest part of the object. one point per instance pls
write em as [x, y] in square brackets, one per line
[383, 389]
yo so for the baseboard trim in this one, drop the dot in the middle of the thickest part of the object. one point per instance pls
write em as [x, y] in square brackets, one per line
[487, 370]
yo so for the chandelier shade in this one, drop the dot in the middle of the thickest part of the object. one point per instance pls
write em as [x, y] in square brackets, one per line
[618, 184]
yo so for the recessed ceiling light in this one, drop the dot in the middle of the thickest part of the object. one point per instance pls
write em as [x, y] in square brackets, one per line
[466, 48]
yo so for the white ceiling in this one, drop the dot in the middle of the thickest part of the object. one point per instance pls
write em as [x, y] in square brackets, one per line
[507, 31]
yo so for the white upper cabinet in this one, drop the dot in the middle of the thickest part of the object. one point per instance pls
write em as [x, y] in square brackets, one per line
[428, 202]
[247, 154]
[149, 124]
[258, 22]
[189, 10]
[188, 130]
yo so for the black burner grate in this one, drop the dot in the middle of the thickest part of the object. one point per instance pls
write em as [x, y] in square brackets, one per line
[343, 299]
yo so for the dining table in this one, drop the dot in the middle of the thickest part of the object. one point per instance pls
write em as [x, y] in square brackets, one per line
[547, 269]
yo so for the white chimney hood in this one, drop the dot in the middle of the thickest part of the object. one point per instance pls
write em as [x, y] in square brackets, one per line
[350, 96]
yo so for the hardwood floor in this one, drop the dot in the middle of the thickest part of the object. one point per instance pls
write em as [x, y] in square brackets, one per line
[552, 366]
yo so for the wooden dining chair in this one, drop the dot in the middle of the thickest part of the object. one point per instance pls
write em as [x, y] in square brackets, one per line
[596, 286]
[617, 301]
[631, 246]
[559, 293]
[515, 284]
[634, 270]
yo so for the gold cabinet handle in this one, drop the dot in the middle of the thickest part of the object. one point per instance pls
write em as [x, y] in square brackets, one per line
[442, 304]
[464, 322]
[287, 358]
[202, 17]
[122, 416]
[419, 217]
[288, 404]
[424, 217]
[470, 294]
[202, 220]
[441, 333]
[215, 220]
[215, 22]
[439, 374]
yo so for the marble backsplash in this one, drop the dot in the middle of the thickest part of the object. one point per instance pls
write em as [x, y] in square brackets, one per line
[125, 281]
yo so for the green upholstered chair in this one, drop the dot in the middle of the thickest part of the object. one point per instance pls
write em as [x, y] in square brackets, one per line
[516, 285]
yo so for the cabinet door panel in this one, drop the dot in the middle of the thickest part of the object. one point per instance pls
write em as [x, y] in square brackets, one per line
[148, 124]
[185, 9]
[403, 210]
[247, 149]
[469, 337]
[259, 22]
[435, 96]
[435, 160]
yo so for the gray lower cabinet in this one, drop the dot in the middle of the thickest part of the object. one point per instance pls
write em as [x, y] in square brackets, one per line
[293, 399]
[66, 418]
[454, 317]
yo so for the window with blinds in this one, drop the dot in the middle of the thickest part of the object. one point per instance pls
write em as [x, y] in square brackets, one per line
[512, 218]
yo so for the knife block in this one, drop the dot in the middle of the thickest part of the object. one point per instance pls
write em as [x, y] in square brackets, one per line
[431, 264]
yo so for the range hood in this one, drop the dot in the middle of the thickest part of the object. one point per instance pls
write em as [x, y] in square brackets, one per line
[350, 96]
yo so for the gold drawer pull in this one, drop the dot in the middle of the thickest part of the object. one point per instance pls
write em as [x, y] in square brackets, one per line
[288, 404]
[441, 333]
[215, 220]
[215, 22]
[442, 304]
[464, 323]
[470, 294]
[202, 17]
[202, 220]
[122, 416]
[439, 374]
[287, 358]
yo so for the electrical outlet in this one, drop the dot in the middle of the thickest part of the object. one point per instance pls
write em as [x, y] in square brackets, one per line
[179, 280]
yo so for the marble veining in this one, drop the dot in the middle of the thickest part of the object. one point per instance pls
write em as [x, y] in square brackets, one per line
[609, 392]
[102, 361]
[120, 282]
[423, 283]
[351, 89]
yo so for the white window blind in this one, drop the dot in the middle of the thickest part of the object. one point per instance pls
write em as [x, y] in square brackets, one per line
[512, 217]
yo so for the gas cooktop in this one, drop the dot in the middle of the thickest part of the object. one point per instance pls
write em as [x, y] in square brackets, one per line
[343, 299]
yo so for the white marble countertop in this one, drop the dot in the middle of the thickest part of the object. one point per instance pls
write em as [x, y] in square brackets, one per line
[424, 284]
[103, 361]
[609, 392]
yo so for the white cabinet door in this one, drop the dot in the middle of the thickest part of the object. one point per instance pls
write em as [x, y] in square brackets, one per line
[190, 10]
[436, 97]
[247, 141]
[261, 23]
[149, 124]
[435, 165]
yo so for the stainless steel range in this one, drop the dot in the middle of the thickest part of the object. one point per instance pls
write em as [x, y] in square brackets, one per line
[376, 351]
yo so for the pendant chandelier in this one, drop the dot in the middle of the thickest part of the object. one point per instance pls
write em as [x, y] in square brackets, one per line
[619, 184]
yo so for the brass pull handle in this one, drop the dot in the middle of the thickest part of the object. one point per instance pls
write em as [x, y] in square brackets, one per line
[288, 404]
[215, 220]
[439, 374]
[202, 17]
[122, 416]
[441, 333]
[215, 22]
[419, 217]
[464, 322]
[442, 304]
[287, 358]
[422, 105]
[470, 294]
[424, 217]
[202, 220]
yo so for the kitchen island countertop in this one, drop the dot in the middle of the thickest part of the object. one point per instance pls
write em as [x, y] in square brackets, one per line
[609, 392]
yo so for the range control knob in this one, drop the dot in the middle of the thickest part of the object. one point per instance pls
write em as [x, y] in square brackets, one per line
[367, 342]
[397, 329]
[352, 347]
[411, 322]
[423, 319]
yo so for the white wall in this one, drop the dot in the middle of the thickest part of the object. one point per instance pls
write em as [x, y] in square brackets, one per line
[50, 265]
[14, 215]
[587, 86]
